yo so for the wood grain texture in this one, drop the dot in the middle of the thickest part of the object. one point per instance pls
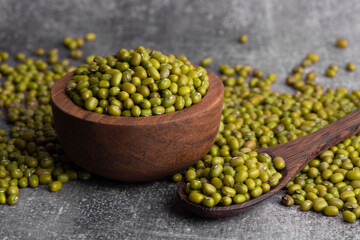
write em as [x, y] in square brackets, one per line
[296, 153]
[137, 149]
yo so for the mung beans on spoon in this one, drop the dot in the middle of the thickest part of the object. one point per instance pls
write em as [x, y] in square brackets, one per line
[296, 153]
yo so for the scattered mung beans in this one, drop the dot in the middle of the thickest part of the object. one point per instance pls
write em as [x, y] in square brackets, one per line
[350, 67]
[331, 182]
[313, 57]
[40, 51]
[330, 73]
[79, 42]
[342, 43]
[206, 62]
[257, 117]
[30, 153]
[331, 70]
[232, 172]
[243, 38]
[89, 37]
[76, 54]
[287, 200]
[70, 43]
[20, 57]
[177, 177]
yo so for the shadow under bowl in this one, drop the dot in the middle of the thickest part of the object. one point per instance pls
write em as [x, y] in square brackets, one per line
[137, 149]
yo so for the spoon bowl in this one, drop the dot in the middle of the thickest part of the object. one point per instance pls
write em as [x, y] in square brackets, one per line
[137, 149]
[296, 153]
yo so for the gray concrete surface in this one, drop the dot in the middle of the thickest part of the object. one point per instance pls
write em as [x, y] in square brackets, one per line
[281, 33]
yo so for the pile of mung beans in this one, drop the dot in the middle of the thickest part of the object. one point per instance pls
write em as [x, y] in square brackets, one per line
[256, 117]
[235, 178]
[140, 82]
[30, 153]
[253, 117]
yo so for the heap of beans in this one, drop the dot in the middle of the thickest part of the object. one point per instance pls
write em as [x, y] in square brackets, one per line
[253, 117]
[30, 153]
[256, 117]
[139, 82]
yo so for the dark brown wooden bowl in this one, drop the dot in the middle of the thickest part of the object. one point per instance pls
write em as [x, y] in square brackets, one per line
[137, 149]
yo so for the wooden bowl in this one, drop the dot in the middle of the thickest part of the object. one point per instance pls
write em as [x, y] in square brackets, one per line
[137, 149]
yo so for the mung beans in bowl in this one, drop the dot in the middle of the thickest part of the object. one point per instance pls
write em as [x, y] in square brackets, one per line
[138, 115]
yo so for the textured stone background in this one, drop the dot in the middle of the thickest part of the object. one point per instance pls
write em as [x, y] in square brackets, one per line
[281, 33]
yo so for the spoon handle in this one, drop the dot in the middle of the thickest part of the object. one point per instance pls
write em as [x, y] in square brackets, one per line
[299, 152]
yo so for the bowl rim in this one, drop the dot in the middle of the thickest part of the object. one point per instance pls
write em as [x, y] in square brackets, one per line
[62, 101]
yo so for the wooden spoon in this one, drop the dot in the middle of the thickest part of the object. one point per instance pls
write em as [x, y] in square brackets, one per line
[296, 153]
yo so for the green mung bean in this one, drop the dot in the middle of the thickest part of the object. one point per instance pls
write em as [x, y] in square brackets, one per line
[341, 43]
